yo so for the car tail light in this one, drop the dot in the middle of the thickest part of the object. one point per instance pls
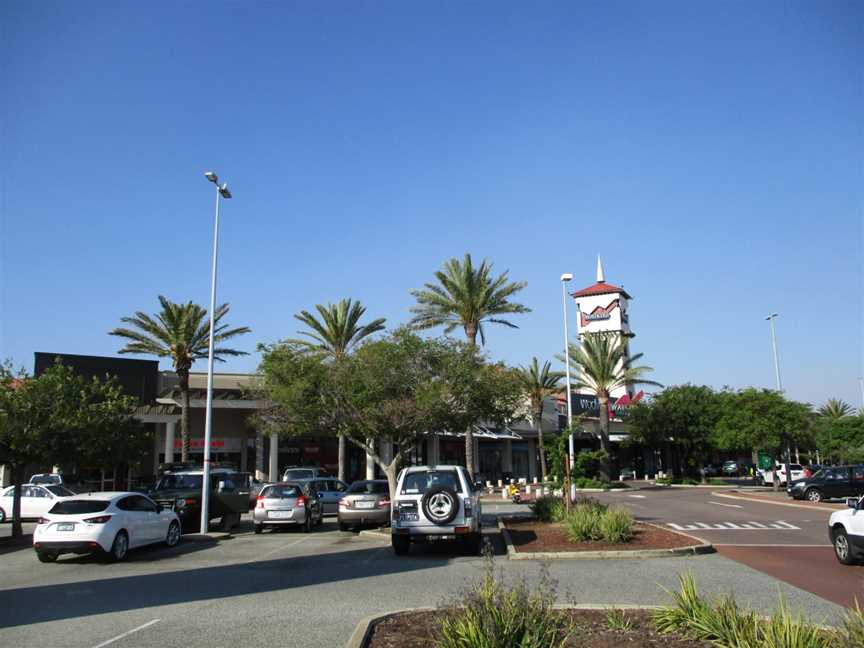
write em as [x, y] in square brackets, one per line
[301, 501]
[102, 519]
[344, 503]
[461, 530]
[260, 502]
[384, 502]
[468, 509]
[43, 521]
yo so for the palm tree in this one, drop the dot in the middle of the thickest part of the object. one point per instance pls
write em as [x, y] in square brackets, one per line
[468, 297]
[537, 384]
[334, 336]
[603, 365]
[835, 408]
[180, 332]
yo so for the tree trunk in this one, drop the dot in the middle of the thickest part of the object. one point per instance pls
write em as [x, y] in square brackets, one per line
[541, 447]
[471, 333]
[183, 375]
[342, 457]
[604, 436]
[469, 451]
[17, 480]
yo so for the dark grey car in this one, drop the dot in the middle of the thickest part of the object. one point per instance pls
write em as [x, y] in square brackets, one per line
[330, 491]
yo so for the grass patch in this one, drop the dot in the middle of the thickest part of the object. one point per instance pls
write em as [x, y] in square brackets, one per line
[590, 521]
[618, 620]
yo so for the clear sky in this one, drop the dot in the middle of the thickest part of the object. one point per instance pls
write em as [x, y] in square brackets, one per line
[711, 152]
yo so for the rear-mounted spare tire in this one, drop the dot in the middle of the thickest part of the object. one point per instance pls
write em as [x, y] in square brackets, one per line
[440, 505]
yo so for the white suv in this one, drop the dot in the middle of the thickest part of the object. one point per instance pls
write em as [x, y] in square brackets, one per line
[435, 502]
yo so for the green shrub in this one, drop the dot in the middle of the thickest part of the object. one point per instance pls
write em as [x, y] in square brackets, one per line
[488, 614]
[588, 463]
[588, 482]
[583, 522]
[548, 508]
[851, 633]
[618, 620]
[616, 525]
[726, 625]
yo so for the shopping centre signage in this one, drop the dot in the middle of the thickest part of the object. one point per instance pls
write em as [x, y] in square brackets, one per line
[217, 445]
[588, 405]
[599, 314]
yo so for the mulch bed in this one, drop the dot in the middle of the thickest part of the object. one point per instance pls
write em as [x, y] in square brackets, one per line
[532, 536]
[420, 630]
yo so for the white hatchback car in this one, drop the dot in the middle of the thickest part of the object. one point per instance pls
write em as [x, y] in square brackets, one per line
[846, 531]
[111, 523]
[36, 500]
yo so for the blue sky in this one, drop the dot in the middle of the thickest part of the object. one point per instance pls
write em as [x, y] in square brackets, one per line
[711, 152]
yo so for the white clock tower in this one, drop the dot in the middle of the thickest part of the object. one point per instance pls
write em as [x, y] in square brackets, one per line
[603, 308]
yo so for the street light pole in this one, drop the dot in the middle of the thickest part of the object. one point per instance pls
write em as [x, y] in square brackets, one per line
[221, 192]
[569, 466]
[771, 318]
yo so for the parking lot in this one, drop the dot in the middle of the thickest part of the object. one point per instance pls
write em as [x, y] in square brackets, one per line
[295, 589]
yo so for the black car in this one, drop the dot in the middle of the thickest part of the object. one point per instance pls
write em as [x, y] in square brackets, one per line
[829, 483]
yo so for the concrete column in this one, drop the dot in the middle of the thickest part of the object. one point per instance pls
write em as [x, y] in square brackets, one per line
[170, 430]
[532, 459]
[156, 438]
[433, 449]
[259, 456]
[370, 462]
[5, 476]
[507, 456]
[273, 472]
[244, 452]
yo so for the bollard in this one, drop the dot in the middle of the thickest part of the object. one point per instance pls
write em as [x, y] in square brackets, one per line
[528, 490]
[500, 483]
[535, 480]
[504, 494]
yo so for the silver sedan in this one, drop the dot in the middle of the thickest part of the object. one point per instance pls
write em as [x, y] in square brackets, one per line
[287, 504]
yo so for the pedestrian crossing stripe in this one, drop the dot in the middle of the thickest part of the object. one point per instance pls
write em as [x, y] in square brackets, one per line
[735, 526]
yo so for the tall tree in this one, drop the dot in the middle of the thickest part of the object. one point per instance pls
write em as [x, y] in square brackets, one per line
[334, 336]
[603, 365]
[835, 408]
[537, 384]
[60, 414]
[180, 332]
[468, 297]
[683, 417]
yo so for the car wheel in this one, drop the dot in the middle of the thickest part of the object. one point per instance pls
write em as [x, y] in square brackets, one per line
[401, 545]
[259, 528]
[814, 495]
[2, 516]
[120, 547]
[173, 537]
[46, 556]
[307, 525]
[841, 547]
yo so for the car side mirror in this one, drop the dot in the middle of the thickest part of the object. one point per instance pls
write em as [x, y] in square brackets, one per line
[852, 502]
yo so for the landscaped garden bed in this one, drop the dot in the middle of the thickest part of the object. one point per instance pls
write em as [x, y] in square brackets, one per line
[532, 536]
[591, 628]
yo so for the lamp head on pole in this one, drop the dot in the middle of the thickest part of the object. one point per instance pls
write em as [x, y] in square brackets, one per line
[212, 177]
[771, 316]
[223, 190]
[566, 276]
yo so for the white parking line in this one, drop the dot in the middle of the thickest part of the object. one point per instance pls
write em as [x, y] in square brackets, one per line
[126, 634]
[637, 496]
[735, 526]
[729, 505]
[282, 547]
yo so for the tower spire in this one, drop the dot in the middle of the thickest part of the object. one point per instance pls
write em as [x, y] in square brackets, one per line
[601, 278]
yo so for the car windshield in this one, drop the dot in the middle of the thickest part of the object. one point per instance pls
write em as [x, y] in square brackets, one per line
[60, 491]
[369, 487]
[417, 483]
[45, 479]
[179, 482]
[299, 473]
[78, 507]
[281, 492]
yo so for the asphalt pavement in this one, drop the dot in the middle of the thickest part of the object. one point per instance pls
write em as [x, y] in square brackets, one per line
[294, 589]
[789, 543]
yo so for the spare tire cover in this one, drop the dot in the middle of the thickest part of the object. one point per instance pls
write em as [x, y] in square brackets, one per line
[440, 504]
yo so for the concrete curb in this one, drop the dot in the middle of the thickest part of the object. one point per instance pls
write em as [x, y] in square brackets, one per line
[363, 631]
[378, 534]
[702, 547]
[809, 507]
[695, 486]
[213, 536]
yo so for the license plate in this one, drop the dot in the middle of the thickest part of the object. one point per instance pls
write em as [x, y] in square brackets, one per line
[408, 517]
[66, 526]
[365, 505]
[279, 515]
